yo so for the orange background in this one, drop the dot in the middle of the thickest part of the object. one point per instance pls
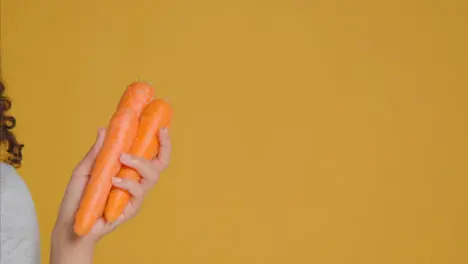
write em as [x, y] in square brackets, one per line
[305, 131]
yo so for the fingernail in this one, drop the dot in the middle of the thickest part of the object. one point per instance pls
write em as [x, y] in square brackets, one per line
[125, 158]
[100, 131]
[120, 219]
[116, 180]
[165, 130]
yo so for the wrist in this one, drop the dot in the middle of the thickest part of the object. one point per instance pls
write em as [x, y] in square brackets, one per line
[66, 253]
[67, 248]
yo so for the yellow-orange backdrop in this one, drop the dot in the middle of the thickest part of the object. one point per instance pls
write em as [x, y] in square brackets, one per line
[305, 131]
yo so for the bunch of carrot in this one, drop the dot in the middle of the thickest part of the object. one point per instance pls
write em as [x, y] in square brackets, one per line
[132, 129]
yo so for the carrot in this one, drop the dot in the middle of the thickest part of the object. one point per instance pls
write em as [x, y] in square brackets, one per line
[155, 116]
[136, 97]
[120, 134]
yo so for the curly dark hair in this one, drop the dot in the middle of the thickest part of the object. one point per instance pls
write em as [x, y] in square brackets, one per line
[7, 138]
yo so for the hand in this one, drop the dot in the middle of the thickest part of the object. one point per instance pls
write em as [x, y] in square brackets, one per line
[67, 247]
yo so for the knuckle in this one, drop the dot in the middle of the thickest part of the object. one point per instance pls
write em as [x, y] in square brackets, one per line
[138, 161]
[148, 186]
[128, 184]
[139, 192]
[136, 189]
[142, 162]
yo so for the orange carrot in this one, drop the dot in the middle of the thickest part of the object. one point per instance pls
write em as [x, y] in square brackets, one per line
[155, 116]
[120, 134]
[136, 97]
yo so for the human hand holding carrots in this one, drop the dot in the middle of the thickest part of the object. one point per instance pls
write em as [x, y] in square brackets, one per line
[69, 248]
[108, 185]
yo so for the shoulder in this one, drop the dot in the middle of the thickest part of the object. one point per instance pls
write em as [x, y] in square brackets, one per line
[9, 176]
[11, 184]
[19, 228]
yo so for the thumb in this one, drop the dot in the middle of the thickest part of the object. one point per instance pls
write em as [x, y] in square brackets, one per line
[85, 166]
[79, 179]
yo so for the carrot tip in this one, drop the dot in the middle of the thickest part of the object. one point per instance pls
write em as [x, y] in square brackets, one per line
[79, 231]
[110, 216]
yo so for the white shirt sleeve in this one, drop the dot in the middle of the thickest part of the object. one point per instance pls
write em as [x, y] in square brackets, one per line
[19, 234]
